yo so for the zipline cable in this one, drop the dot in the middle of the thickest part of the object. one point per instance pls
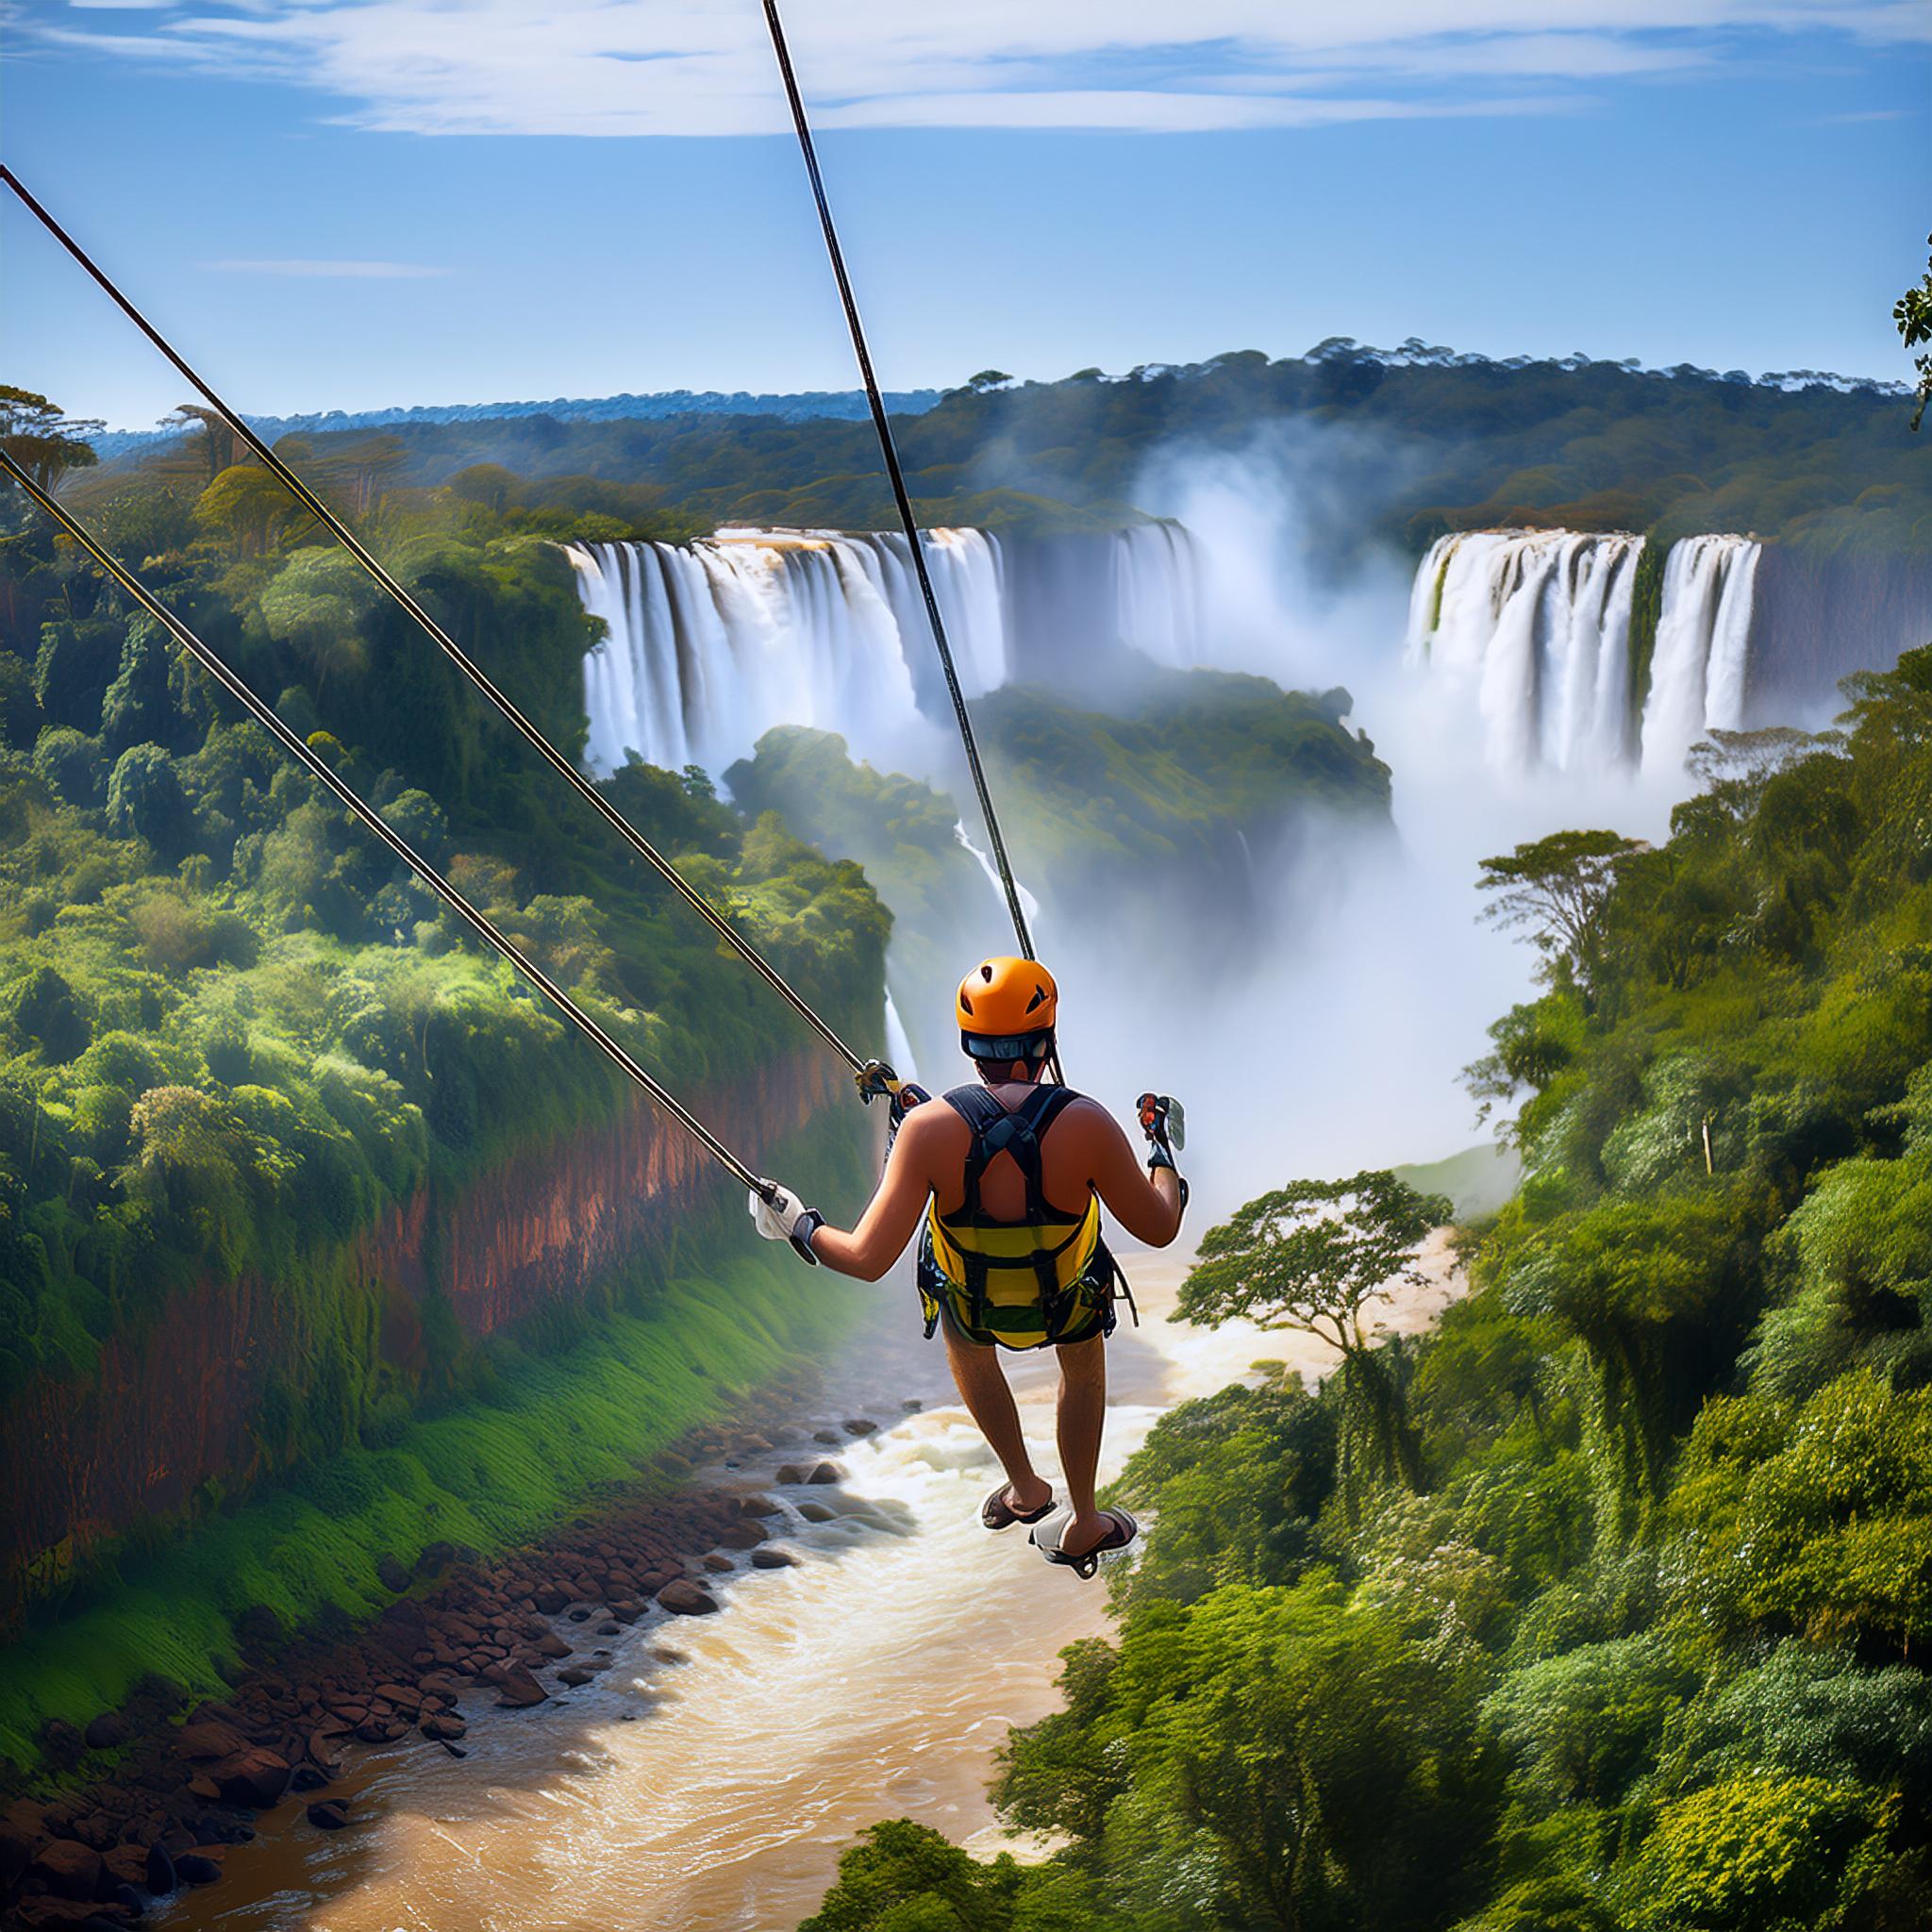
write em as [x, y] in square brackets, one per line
[889, 450]
[449, 647]
[264, 715]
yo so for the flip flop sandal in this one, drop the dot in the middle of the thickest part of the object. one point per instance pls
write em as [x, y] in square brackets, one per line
[1121, 1530]
[997, 1513]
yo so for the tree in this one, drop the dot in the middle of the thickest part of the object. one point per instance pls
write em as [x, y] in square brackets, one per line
[1912, 313]
[43, 441]
[218, 441]
[905, 1878]
[145, 800]
[247, 506]
[319, 606]
[43, 1012]
[1314, 1258]
[1553, 890]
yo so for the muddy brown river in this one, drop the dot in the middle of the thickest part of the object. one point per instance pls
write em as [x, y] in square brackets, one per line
[709, 1779]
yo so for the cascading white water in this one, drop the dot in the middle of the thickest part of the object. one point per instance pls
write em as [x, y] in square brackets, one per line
[1698, 671]
[1158, 594]
[1538, 624]
[1029, 904]
[898, 1043]
[713, 643]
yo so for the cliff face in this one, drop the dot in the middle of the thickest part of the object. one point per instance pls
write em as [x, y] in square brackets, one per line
[1819, 619]
[192, 1401]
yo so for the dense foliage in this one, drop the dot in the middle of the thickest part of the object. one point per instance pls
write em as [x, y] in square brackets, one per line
[232, 1030]
[1402, 446]
[1640, 1637]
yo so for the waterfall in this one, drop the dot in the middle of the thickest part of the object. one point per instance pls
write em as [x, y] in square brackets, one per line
[1697, 675]
[1537, 624]
[1158, 594]
[710, 645]
[1029, 904]
[898, 1043]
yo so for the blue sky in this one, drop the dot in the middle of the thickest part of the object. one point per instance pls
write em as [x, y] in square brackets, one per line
[355, 203]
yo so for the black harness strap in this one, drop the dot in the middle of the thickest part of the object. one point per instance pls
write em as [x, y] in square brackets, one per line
[1016, 1132]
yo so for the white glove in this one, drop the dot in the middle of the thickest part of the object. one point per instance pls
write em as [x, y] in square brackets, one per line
[785, 1218]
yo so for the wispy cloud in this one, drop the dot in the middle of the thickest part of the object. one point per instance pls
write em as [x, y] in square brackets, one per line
[343, 271]
[692, 67]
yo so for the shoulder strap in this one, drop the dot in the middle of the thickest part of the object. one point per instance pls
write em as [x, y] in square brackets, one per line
[1018, 1134]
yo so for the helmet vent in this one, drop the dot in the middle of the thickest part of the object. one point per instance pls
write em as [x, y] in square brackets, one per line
[1039, 998]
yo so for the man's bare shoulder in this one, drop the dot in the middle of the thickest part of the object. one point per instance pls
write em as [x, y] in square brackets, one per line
[931, 1122]
[1090, 1118]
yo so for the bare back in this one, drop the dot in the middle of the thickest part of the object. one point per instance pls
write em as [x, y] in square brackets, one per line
[1083, 1153]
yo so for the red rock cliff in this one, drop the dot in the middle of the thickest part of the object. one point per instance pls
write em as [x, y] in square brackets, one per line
[179, 1405]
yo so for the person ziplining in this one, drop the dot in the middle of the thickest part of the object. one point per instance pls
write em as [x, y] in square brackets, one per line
[1010, 1177]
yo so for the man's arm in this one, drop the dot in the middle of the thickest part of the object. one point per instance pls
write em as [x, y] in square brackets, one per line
[893, 1217]
[1148, 1205]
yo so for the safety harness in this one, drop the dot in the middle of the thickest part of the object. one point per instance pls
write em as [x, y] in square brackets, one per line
[1025, 1284]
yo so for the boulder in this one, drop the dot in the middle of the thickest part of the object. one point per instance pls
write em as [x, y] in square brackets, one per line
[550, 1600]
[200, 1866]
[46, 1913]
[127, 1864]
[790, 1473]
[717, 1563]
[329, 1814]
[825, 1436]
[68, 1869]
[441, 1728]
[109, 1731]
[577, 1676]
[257, 1777]
[685, 1599]
[771, 1557]
[746, 1534]
[518, 1689]
[307, 1777]
[159, 1876]
[61, 1743]
[436, 1557]
[757, 1505]
[551, 1645]
[822, 1472]
[16, 1853]
[391, 1574]
[816, 1512]
[207, 1739]
[860, 1425]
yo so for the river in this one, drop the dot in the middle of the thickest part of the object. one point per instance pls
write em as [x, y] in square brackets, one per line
[707, 1781]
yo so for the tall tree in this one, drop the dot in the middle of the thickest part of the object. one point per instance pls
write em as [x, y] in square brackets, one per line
[1552, 892]
[45, 443]
[1316, 1258]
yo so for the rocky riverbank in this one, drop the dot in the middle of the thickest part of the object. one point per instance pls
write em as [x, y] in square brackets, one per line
[151, 1797]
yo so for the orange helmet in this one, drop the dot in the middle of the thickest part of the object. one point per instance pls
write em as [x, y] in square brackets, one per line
[1007, 1008]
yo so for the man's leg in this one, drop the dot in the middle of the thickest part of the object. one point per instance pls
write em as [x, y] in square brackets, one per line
[1082, 1414]
[982, 1384]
